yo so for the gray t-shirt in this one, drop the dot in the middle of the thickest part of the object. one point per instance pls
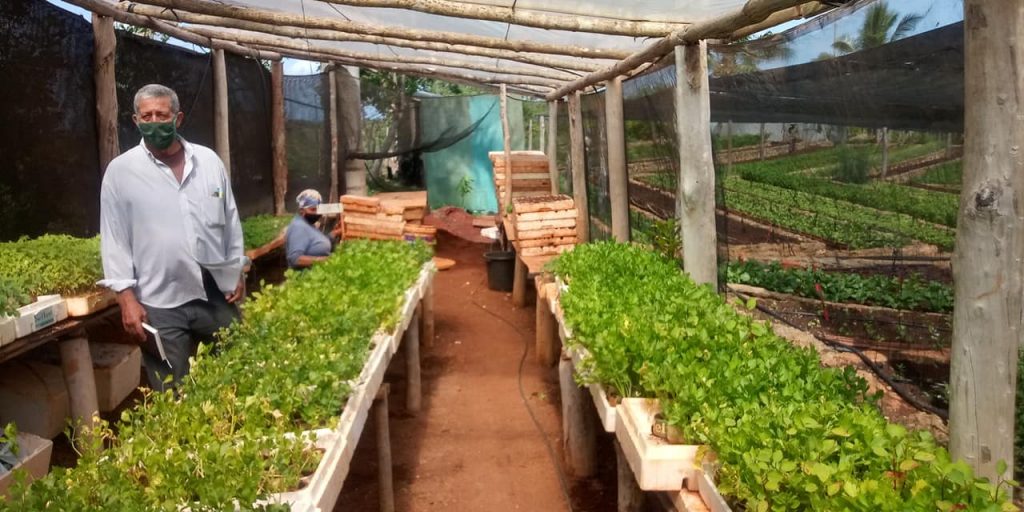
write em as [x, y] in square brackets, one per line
[304, 240]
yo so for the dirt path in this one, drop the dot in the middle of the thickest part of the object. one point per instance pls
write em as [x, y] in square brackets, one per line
[474, 446]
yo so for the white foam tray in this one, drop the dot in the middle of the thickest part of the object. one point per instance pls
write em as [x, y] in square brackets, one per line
[44, 312]
[8, 331]
[657, 465]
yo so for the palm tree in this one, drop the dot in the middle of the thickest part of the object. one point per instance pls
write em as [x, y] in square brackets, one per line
[882, 25]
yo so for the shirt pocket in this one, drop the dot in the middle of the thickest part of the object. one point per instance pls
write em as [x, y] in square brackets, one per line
[211, 210]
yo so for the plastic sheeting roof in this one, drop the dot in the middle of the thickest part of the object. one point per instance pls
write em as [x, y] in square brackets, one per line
[682, 11]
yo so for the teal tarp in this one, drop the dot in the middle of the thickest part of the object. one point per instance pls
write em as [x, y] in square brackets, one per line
[466, 162]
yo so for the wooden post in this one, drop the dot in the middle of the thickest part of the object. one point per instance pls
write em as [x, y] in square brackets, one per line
[695, 195]
[631, 497]
[885, 151]
[578, 431]
[988, 274]
[278, 136]
[427, 317]
[529, 135]
[579, 177]
[761, 148]
[949, 145]
[547, 328]
[552, 146]
[508, 151]
[76, 361]
[332, 78]
[222, 135]
[105, 46]
[728, 146]
[385, 480]
[542, 136]
[413, 387]
[519, 277]
[618, 182]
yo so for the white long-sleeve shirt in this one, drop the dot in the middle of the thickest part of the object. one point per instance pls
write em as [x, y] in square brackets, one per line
[155, 234]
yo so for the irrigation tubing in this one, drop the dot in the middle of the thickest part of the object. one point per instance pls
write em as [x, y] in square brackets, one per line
[562, 480]
[842, 347]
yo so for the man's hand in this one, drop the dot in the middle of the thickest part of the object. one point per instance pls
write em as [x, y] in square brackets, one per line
[132, 314]
[238, 293]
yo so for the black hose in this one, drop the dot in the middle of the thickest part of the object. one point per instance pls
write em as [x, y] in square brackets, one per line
[842, 347]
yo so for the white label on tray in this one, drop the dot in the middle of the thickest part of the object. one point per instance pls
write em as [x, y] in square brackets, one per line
[44, 318]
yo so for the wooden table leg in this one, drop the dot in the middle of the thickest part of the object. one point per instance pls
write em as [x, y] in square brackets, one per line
[413, 390]
[385, 481]
[519, 283]
[427, 318]
[76, 361]
[631, 498]
[547, 329]
[578, 427]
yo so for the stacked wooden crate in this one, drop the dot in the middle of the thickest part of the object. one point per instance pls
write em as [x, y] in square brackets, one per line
[366, 217]
[415, 231]
[545, 225]
[530, 177]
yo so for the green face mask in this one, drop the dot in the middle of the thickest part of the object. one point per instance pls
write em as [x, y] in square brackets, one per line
[159, 135]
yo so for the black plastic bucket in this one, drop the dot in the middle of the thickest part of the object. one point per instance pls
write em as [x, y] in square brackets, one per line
[501, 270]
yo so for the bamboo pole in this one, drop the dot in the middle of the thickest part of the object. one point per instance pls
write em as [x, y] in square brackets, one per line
[533, 85]
[105, 8]
[256, 38]
[222, 133]
[277, 140]
[695, 195]
[804, 11]
[508, 151]
[552, 147]
[571, 21]
[104, 49]
[754, 11]
[579, 176]
[988, 274]
[618, 181]
[298, 20]
[308, 34]
[333, 114]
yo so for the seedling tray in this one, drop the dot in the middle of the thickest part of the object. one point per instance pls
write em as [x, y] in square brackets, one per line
[46, 311]
[656, 464]
[89, 303]
[8, 331]
[605, 410]
[33, 459]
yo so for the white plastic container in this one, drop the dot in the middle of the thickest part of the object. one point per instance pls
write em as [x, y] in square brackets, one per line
[657, 465]
[46, 311]
[8, 331]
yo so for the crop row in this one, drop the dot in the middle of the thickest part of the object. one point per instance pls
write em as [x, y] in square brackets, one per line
[841, 221]
[913, 292]
[789, 434]
[221, 441]
[260, 230]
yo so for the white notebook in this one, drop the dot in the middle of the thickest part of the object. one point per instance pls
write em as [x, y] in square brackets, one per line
[159, 343]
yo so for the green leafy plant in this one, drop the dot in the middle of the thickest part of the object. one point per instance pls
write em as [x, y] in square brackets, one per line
[913, 293]
[854, 165]
[789, 434]
[222, 441]
[12, 296]
[465, 187]
[51, 264]
[260, 230]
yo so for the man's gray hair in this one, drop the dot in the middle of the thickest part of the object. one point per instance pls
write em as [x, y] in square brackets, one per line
[157, 91]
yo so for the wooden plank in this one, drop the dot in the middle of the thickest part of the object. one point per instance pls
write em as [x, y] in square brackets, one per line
[523, 227]
[555, 203]
[104, 48]
[548, 233]
[542, 185]
[500, 177]
[366, 235]
[222, 139]
[517, 156]
[550, 215]
[519, 283]
[379, 217]
[392, 208]
[548, 241]
[548, 249]
[349, 199]
[277, 141]
[521, 167]
[376, 227]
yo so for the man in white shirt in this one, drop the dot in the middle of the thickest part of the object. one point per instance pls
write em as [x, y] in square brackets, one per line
[171, 239]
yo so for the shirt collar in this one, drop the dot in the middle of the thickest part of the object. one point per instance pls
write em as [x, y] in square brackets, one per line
[189, 152]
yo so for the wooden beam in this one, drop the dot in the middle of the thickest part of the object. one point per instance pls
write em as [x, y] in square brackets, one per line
[618, 181]
[552, 145]
[104, 49]
[105, 8]
[695, 195]
[332, 102]
[579, 170]
[988, 276]
[307, 34]
[803, 11]
[754, 11]
[429, 71]
[266, 40]
[526, 18]
[277, 130]
[507, 141]
[221, 131]
[529, 135]
[542, 135]
[297, 20]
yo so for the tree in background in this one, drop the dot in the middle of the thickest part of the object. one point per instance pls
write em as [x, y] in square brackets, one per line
[881, 25]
